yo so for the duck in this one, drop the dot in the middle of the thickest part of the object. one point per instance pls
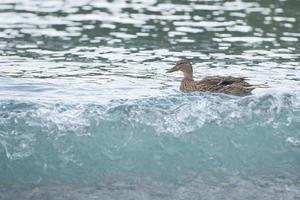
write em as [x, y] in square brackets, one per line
[214, 84]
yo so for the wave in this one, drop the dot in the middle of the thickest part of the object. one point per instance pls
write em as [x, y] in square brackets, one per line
[161, 136]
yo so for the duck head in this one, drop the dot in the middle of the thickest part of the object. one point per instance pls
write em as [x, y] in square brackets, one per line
[183, 66]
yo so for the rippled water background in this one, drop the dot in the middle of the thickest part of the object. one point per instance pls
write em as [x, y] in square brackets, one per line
[87, 111]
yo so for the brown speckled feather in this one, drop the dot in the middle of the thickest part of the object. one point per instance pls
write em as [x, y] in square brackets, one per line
[220, 84]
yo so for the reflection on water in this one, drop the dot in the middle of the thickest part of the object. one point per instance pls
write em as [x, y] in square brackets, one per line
[108, 44]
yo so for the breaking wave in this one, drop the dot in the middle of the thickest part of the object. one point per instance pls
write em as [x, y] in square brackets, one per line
[166, 137]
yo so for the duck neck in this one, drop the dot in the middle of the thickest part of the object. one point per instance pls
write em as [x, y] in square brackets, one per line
[187, 76]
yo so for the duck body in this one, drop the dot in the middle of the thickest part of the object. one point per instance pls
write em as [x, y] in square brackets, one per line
[216, 84]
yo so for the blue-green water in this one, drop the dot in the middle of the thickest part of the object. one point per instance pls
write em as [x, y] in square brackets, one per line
[87, 111]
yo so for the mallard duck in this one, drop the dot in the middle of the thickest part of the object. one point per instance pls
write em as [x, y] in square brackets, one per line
[218, 84]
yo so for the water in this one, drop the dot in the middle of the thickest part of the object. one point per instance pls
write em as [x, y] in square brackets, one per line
[88, 112]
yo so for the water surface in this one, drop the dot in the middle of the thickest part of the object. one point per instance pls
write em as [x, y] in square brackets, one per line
[87, 110]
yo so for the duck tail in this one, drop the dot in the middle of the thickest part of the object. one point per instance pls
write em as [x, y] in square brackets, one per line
[249, 89]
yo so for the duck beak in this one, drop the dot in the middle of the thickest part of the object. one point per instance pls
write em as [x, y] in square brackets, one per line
[173, 69]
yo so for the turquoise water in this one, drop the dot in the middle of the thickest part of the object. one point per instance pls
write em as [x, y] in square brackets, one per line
[88, 112]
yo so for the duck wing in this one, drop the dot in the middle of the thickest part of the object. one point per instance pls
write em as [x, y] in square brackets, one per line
[210, 80]
[222, 84]
[223, 81]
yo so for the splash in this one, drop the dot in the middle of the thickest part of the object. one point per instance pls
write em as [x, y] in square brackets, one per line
[200, 132]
